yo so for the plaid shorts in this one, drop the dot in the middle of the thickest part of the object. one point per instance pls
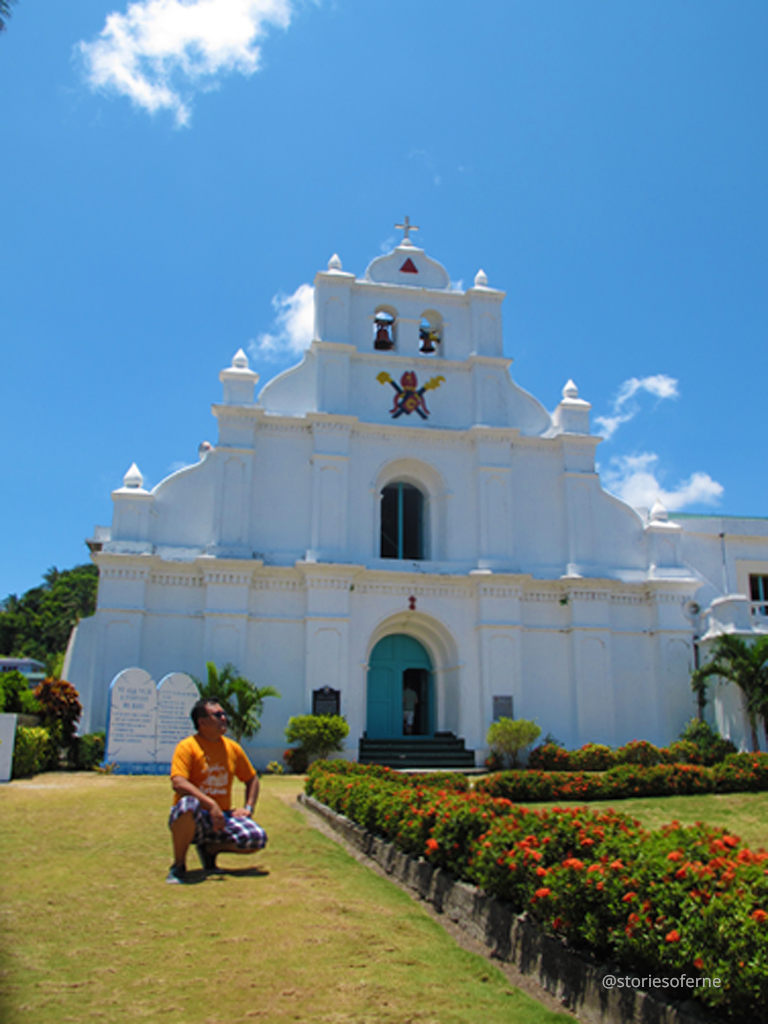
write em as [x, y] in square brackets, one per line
[242, 831]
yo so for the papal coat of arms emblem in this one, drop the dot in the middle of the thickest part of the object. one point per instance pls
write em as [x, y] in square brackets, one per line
[409, 397]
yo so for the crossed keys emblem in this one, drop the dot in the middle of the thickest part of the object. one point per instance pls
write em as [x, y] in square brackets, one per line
[409, 397]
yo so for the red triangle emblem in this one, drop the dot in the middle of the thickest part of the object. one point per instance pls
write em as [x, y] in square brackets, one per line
[408, 267]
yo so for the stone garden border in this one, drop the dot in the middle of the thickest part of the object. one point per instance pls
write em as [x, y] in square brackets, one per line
[572, 979]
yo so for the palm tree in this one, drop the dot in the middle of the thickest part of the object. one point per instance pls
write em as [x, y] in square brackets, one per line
[5, 13]
[745, 665]
[241, 699]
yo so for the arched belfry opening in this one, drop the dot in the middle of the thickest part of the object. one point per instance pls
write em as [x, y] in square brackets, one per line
[384, 321]
[402, 522]
[430, 333]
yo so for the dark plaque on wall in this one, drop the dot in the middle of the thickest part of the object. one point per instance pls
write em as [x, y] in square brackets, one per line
[326, 701]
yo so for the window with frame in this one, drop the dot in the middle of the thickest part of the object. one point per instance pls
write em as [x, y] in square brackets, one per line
[758, 592]
[402, 522]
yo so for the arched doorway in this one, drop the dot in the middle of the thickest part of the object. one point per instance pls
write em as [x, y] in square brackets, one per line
[400, 689]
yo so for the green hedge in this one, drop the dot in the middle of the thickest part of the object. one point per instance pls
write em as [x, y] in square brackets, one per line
[675, 902]
[738, 773]
[699, 744]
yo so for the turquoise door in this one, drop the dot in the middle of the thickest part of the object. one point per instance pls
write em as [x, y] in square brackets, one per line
[400, 700]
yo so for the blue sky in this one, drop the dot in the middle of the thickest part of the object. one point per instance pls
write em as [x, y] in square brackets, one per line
[174, 173]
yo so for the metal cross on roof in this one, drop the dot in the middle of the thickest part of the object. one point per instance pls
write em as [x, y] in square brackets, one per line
[406, 227]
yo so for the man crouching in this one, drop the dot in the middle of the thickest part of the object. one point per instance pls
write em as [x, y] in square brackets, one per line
[202, 771]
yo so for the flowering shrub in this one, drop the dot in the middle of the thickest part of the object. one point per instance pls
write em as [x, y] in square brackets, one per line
[740, 772]
[712, 748]
[671, 902]
[618, 783]
[550, 757]
[699, 744]
[638, 752]
[681, 752]
[592, 757]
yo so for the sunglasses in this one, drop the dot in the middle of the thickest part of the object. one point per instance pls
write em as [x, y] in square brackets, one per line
[218, 714]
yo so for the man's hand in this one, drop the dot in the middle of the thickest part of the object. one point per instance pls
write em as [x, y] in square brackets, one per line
[217, 817]
[241, 812]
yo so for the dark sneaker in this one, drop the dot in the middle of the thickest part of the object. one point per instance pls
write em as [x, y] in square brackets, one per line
[208, 860]
[177, 875]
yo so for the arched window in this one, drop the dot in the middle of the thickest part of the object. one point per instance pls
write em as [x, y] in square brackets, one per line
[402, 522]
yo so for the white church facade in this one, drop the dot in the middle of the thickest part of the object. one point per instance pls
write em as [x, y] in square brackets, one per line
[397, 520]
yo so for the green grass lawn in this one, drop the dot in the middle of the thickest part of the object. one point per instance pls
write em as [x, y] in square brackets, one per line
[91, 932]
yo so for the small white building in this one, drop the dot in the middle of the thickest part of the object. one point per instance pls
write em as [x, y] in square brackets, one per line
[395, 513]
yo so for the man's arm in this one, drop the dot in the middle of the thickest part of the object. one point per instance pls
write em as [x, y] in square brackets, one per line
[251, 796]
[184, 787]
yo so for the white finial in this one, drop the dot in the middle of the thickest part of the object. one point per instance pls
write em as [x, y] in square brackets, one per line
[481, 279]
[203, 448]
[334, 263]
[659, 513]
[240, 360]
[133, 477]
[570, 390]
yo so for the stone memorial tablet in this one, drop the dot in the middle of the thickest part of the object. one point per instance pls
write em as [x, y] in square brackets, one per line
[176, 693]
[326, 701]
[7, 738]
[132, 718]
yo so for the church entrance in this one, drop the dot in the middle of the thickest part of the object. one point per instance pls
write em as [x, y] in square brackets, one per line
[400, 689]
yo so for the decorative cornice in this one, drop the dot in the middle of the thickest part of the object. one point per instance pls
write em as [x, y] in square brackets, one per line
[167, 579]
[226, 578]
[127, 573]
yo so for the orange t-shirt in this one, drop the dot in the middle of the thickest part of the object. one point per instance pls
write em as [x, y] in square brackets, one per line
[211, 766]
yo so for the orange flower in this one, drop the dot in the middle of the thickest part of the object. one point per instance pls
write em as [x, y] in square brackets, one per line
[616, 865]
[541, 872]
[675, 855]
[759, 916]
[573, 862]
[673, 936]
[541, 893]
[432, 845]
[698, 963]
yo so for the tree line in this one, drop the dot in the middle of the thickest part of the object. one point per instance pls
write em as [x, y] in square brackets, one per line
[38, 624]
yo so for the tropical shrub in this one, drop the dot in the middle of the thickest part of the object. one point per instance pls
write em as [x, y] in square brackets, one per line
[550, 757]
[317, 735]
[296, 759]
[710, 744]
[681, 752]
[592, 757]
[60, 707]
[509, 737]
[638, 752]
[34, 751]
[87, 751]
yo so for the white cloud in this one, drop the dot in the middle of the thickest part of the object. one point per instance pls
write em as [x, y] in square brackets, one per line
[633, 478]
[293, 328]
[160, 50]
[625, 405]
